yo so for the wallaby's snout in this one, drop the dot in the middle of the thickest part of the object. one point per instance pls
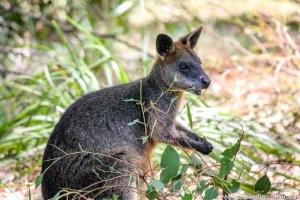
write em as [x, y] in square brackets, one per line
[202, 84]
[205, 81]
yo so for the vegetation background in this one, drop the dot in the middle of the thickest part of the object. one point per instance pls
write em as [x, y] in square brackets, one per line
[53, 52]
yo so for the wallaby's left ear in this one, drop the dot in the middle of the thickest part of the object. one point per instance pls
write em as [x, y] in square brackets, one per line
[164, 45]
[191, 39]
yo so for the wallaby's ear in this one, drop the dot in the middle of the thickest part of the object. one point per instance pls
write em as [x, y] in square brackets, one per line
[164, 45]
[191, 39]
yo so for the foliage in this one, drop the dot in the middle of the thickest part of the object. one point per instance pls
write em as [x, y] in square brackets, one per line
[53, 53]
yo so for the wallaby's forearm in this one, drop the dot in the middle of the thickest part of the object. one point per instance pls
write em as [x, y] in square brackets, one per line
[180, 136]
[193, 140]
[201, 144]
[186, 132]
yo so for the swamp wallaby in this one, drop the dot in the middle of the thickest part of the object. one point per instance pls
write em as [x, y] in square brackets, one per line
[94, 148]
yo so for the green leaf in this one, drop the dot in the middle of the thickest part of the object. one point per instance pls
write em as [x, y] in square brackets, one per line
[210, 194]
[38, 180]
[157, 184]
[175, 78]
[174, 99]
[231, 152]
[226, 166]
[82, 29]
[123, 76]
[133, 122]
[115, 197]
[133, 100]
[150, 193]
[263, 185]
[233, 187]
[131, 179]
[187, 196]
[183, 169]
[56, 196]
[228, 187]
[169, 157]
[201, 187]
[195, 160]
[145, 139]
[95, 172]
[122, 8]
[189, 116]
[177, 186]
[165, 176]
[170, 162]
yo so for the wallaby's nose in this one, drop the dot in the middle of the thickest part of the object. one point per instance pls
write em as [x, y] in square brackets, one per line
[205, 81]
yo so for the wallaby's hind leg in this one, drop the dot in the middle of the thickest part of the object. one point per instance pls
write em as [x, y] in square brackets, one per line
[119, 178]
[119, 187]
[92, 176]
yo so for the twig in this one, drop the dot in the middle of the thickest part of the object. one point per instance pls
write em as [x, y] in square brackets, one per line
[239, 47]
[11, 191]
[114, 37]
[4, 72]
[69, 28]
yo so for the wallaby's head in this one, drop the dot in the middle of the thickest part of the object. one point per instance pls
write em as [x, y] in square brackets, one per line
[178, 64]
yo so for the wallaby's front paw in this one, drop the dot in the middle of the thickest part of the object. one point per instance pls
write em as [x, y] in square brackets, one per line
[207, 148]
[204, 146]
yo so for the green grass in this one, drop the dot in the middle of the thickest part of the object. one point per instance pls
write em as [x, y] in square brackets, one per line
[80, 63]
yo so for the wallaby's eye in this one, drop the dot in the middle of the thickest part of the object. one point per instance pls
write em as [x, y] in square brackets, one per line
[183, 67]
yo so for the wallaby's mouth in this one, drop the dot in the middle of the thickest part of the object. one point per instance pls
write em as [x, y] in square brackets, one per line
[198, 92]
[195, 90]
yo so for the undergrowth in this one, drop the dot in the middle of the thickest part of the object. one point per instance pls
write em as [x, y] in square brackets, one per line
[248, 154]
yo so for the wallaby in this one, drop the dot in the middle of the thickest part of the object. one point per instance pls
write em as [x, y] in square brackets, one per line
[94, 149]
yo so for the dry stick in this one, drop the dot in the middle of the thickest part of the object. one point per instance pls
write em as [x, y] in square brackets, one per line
[144, 109]
[202, 171]
[86, 152]
[68, 28]
[6, 71]
[93, 153]
[145, 125]
[114, 37]
[106, 181]
[276, 163]
[11, 191]
[290, 41]
[173, 138]
[66, 193]
[168, 195]
[258, 43]
[106, 188]
[238, 46]
[254, 174]
[239, 145]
